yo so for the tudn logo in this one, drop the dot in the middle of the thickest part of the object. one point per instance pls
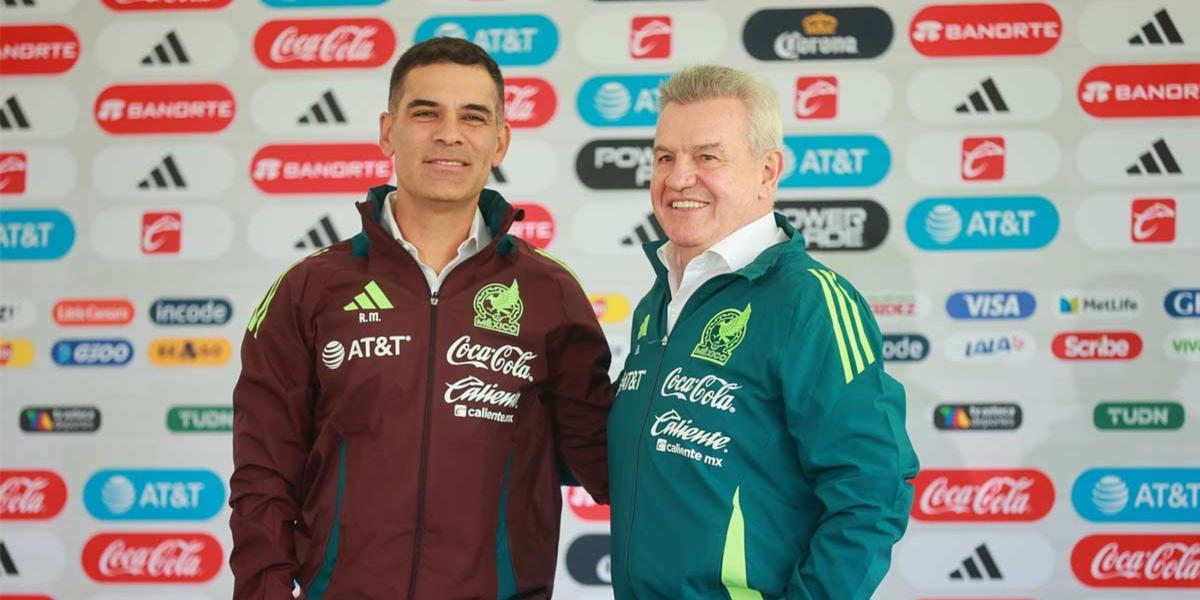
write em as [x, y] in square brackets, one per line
[650, 37]
[1152, 220]
[983, 158]
[816, 97]
[333, 354]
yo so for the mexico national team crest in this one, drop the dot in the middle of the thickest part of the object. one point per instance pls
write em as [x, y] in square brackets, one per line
[722, 335]
[498, 307]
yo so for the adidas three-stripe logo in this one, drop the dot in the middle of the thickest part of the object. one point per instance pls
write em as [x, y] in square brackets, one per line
[854, 348]
[648, 231]
[316, 114]
[320, 235]
[970, 566]
[158, 177]
[12, 116]
[371, 298]
[1157, 32]
[1156, 161]
[978, 100]
[167, 52]
[19, 3]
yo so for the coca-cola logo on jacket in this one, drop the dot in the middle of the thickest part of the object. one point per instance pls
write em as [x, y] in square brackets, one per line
[982, 495]
[1097, 345]
[319, 168]
[165, 108]
[985, 29]
[1138, 561]
[37, 49]
[1122, 91]
[31, 495]
[152, 557]
[528, 101]
[324, 43]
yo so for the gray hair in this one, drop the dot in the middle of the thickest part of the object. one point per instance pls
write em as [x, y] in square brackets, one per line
[764, 128]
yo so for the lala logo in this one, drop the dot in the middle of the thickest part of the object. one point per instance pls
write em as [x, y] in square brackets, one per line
[722, 335]
[983, 158]
[498, 307]
[650, 37]
[162, 232]
[816, 97]
[1152, 220]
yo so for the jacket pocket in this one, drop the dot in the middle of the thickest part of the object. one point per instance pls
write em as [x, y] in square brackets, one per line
[335, 540]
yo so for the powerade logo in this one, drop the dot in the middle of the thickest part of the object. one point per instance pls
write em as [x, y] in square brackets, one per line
[905, 347]
[837, 225]
[620, 100]
[1183, 303]
[512, 40]
[35, 234]
[991, 305]
[1138, 495]
[154, 495]
[92, 353]
[191, 311]
[316, 3]
[616, 164]
[832, 161]
[982, 223]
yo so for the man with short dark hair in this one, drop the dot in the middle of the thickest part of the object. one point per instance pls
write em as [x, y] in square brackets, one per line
[406, 396]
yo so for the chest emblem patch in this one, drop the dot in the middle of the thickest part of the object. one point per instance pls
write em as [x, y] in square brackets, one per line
[498, 307]
[722, 335]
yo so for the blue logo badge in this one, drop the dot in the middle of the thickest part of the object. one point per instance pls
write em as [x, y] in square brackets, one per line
[1138, 495]
[91, 353]
[35, 234]
[831, 161]
[991, 304]
[620, 100]
[154, 494]
[982, 223]
[512, 40]
[1183, 303]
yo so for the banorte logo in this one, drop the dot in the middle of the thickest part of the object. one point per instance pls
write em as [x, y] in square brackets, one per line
[528, 101]
[1097, 345]
[319, 168]
[152, 557]
[165, 108]
[1138, 561]
[1121, 91]
[324, 43]
[31, 495]
[37, 49]
[983, 495]
[985, 29]
[131, 5]
[583, 506]
[537, 227]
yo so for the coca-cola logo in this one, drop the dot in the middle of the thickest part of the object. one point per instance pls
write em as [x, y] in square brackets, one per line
[982, 495]
[319, 168]
[1097, 345]
[1138, 561]
[528, 101]
[985, 29]
[537, 227]
[324, 43]
[583, 505]
[152, 557]
[37, 49]
[129, 5]
[165, 108]
[506, 360]
[31, 495]
[710, 390]
[1117, 91]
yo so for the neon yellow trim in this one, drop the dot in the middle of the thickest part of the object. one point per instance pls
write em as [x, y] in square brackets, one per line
[837, 290]
[381, 299]
[862, 335]
[560, 263]
[733, 561]
[260, 313]
[836, 327]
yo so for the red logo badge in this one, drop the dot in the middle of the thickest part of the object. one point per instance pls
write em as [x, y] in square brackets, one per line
[319, 168]
[129, 5]
[538, 226]
[93, 312]
[1097, 345]
[165, 108]
[324, 43]
[650, 37]
[528, 101]
[162, 232]
[1115, 91]
[13, 166]
[37, 49]
[985, 29]
[982, 495]
[983, 158]
[31, 495]
[152, 557]
[583, 506]
[1138, 561]
[816, 97]
[1152, 221]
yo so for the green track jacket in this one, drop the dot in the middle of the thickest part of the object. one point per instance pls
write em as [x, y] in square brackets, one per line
[759, 450]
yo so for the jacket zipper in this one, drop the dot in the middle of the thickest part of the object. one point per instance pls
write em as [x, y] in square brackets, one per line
[416, 561]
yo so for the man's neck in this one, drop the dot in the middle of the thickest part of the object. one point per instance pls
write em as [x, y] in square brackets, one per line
[436, 232]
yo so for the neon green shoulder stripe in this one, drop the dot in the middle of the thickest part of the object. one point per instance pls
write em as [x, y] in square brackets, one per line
[560, 263]
[260, 313]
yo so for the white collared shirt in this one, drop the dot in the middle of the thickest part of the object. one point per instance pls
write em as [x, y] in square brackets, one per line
[479, 237]
[734, 252]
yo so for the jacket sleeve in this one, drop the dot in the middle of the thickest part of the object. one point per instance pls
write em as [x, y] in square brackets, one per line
[579, 390]
[272, 433]
[846, 416]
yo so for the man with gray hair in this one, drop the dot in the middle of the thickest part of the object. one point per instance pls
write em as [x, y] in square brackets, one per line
[757, 448]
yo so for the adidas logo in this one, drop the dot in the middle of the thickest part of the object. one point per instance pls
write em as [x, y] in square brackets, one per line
[317, 112]
[498, 175]
[978, 101]
[970, 566]
[371, 298]
[649, 231]
[12, 116]
[1156, 161]
[1155, 30]
[321, 235]
[167, 52]
[7, 566]
[12, 3]
[158, 177]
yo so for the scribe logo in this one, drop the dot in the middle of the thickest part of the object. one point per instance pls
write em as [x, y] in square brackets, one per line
[13, 169]
[537, 227]
[583, 506]
[1152, 221]
[162, 232]
[129, 5]
[37, 49]
[985, 29]
[816, 97]
[983, 158]
[650, 37]
[31, 495]
[1162, 90]
[818, 33]
[1138, 415]
[837, 225]
[92, 312]
[977, 417]
[1109, 560]
[319, 168]
[1097, 345]
[982, 495]
[528, 101]
[165, 108]
[152, 557]
[324, 43]
[60, 419]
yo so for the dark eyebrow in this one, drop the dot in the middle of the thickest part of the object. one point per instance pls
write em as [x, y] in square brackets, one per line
[423, 103]
[478, 108]
[418, 102]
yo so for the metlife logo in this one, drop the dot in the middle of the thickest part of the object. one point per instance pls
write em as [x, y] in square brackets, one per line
[837, 225]
[154, 495]
[834, 161]
[1143, 495]
[512, 40]
[1099, 303]
[982, 223]
[616, 164]
[620, 100]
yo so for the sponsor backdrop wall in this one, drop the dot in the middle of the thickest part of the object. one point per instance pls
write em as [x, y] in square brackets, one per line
[1016, 187]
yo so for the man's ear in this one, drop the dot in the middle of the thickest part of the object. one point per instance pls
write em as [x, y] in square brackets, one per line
[385, 129]
[772, 172]
[504, 136]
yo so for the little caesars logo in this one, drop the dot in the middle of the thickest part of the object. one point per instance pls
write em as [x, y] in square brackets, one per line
[498, 307]
[722, 335]
[505, 360]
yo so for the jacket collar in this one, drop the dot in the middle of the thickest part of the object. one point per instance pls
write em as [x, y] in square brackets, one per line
[761, 265]
[498, 214]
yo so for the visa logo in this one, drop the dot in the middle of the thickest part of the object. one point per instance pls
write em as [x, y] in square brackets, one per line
[620, 100]
[35, 234]
[982, 223]
[1159, 495]
[511, 40]
[154, 494]
[1183, 303]
[991, 305]
[91, 353]
[819, 161]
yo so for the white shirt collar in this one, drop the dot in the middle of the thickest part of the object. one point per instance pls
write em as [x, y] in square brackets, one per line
[477, 238]
[736, 250]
